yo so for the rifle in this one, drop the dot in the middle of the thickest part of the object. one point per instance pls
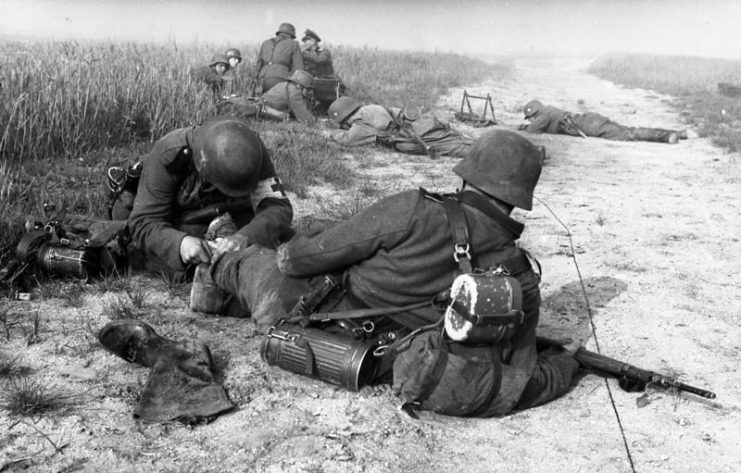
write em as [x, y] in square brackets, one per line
[569, 121]
[631, 378]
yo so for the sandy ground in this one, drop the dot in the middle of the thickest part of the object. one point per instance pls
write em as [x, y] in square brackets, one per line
[655, 233]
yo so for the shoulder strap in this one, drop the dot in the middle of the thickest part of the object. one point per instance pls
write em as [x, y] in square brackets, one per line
[459, 229]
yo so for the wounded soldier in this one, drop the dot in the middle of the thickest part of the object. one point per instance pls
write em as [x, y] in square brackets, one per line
[367, 124]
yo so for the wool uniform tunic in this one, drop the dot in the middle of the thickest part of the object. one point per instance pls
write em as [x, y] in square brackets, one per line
[170, 187]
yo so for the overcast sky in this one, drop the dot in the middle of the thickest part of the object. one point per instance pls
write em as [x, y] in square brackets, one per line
[692, 27]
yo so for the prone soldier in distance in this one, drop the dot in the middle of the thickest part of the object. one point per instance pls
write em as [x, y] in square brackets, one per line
[549, 119]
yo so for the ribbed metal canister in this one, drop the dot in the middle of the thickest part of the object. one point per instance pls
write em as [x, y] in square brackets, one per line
[65, 261]
[337, 359]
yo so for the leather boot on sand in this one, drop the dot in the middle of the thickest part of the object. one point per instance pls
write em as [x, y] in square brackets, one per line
[657, 135]
[181, 385]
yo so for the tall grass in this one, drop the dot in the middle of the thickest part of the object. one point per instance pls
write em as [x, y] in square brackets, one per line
[693, 80]
[68, 110]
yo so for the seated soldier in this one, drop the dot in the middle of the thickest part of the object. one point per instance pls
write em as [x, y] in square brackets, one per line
[317, 60]
[192, 175]
[292, 96]
[548, 119]
[328, 86]
[278, 57]
[399, 252]
[235, 76]
[366, 124]
[214, 73]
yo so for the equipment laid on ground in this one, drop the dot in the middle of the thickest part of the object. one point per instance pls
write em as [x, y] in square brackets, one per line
[331, 357]
[473, 118]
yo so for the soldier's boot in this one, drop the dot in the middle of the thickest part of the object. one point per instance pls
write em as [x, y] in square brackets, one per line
[181, 385]
[682, 134]
[658, 135]
[273, 113]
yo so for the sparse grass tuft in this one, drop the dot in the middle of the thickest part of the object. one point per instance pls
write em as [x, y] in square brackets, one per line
[10, 366]
[27, 397]
[129, 306]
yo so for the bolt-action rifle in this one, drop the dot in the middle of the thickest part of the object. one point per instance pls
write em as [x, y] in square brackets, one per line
[631, 378]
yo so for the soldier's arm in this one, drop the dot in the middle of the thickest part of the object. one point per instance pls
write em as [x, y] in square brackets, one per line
[358, 134]
[380, 227]
[273, 211]
[299, 108]
[297, 59]
[151, 218]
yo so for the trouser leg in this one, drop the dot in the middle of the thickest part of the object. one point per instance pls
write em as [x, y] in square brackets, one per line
[657, 135]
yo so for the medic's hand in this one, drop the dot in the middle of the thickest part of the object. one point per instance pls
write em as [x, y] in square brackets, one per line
[194, 250]
[572, 346]
[230, 243]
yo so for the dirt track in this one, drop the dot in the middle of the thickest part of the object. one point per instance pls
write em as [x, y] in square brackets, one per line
[656, 235]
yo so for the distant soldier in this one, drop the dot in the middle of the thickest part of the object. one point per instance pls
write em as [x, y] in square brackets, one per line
[278, 57]
[235, 76]
[292, 96]
[548, 119]
[328, 86]
[367, 124]
[214, 73]
[317, 60]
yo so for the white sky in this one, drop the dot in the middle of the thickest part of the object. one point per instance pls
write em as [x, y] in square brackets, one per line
[691, 27]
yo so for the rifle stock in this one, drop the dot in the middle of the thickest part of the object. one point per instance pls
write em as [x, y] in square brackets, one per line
[632, 378]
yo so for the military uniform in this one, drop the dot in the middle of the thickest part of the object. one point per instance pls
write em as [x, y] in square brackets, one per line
[207, 75]
[277, 59]
[363, 126]
[550, 119]
[170, 188]
[397, 252]
[318, 63]
[286, 97]
[373, 123]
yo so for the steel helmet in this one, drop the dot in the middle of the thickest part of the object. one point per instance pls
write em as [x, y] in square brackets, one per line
[219, 58]
[342, 108]
[229, 155]
[288, 29]
[504, 165]
[302, 78]
[233, 52]
[532, 107]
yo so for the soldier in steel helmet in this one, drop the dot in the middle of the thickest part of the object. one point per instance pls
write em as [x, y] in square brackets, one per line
[367, 124]
[399, 251]
[236, 76]
[213, 74]
[278, 57]
[217, 165]
[549, 119]
[293, 96]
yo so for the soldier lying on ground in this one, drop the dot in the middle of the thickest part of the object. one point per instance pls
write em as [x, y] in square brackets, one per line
[286, 99]
[220, 164]
[366, 124]
[399, 251]
[278, 57]
[548, 119]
